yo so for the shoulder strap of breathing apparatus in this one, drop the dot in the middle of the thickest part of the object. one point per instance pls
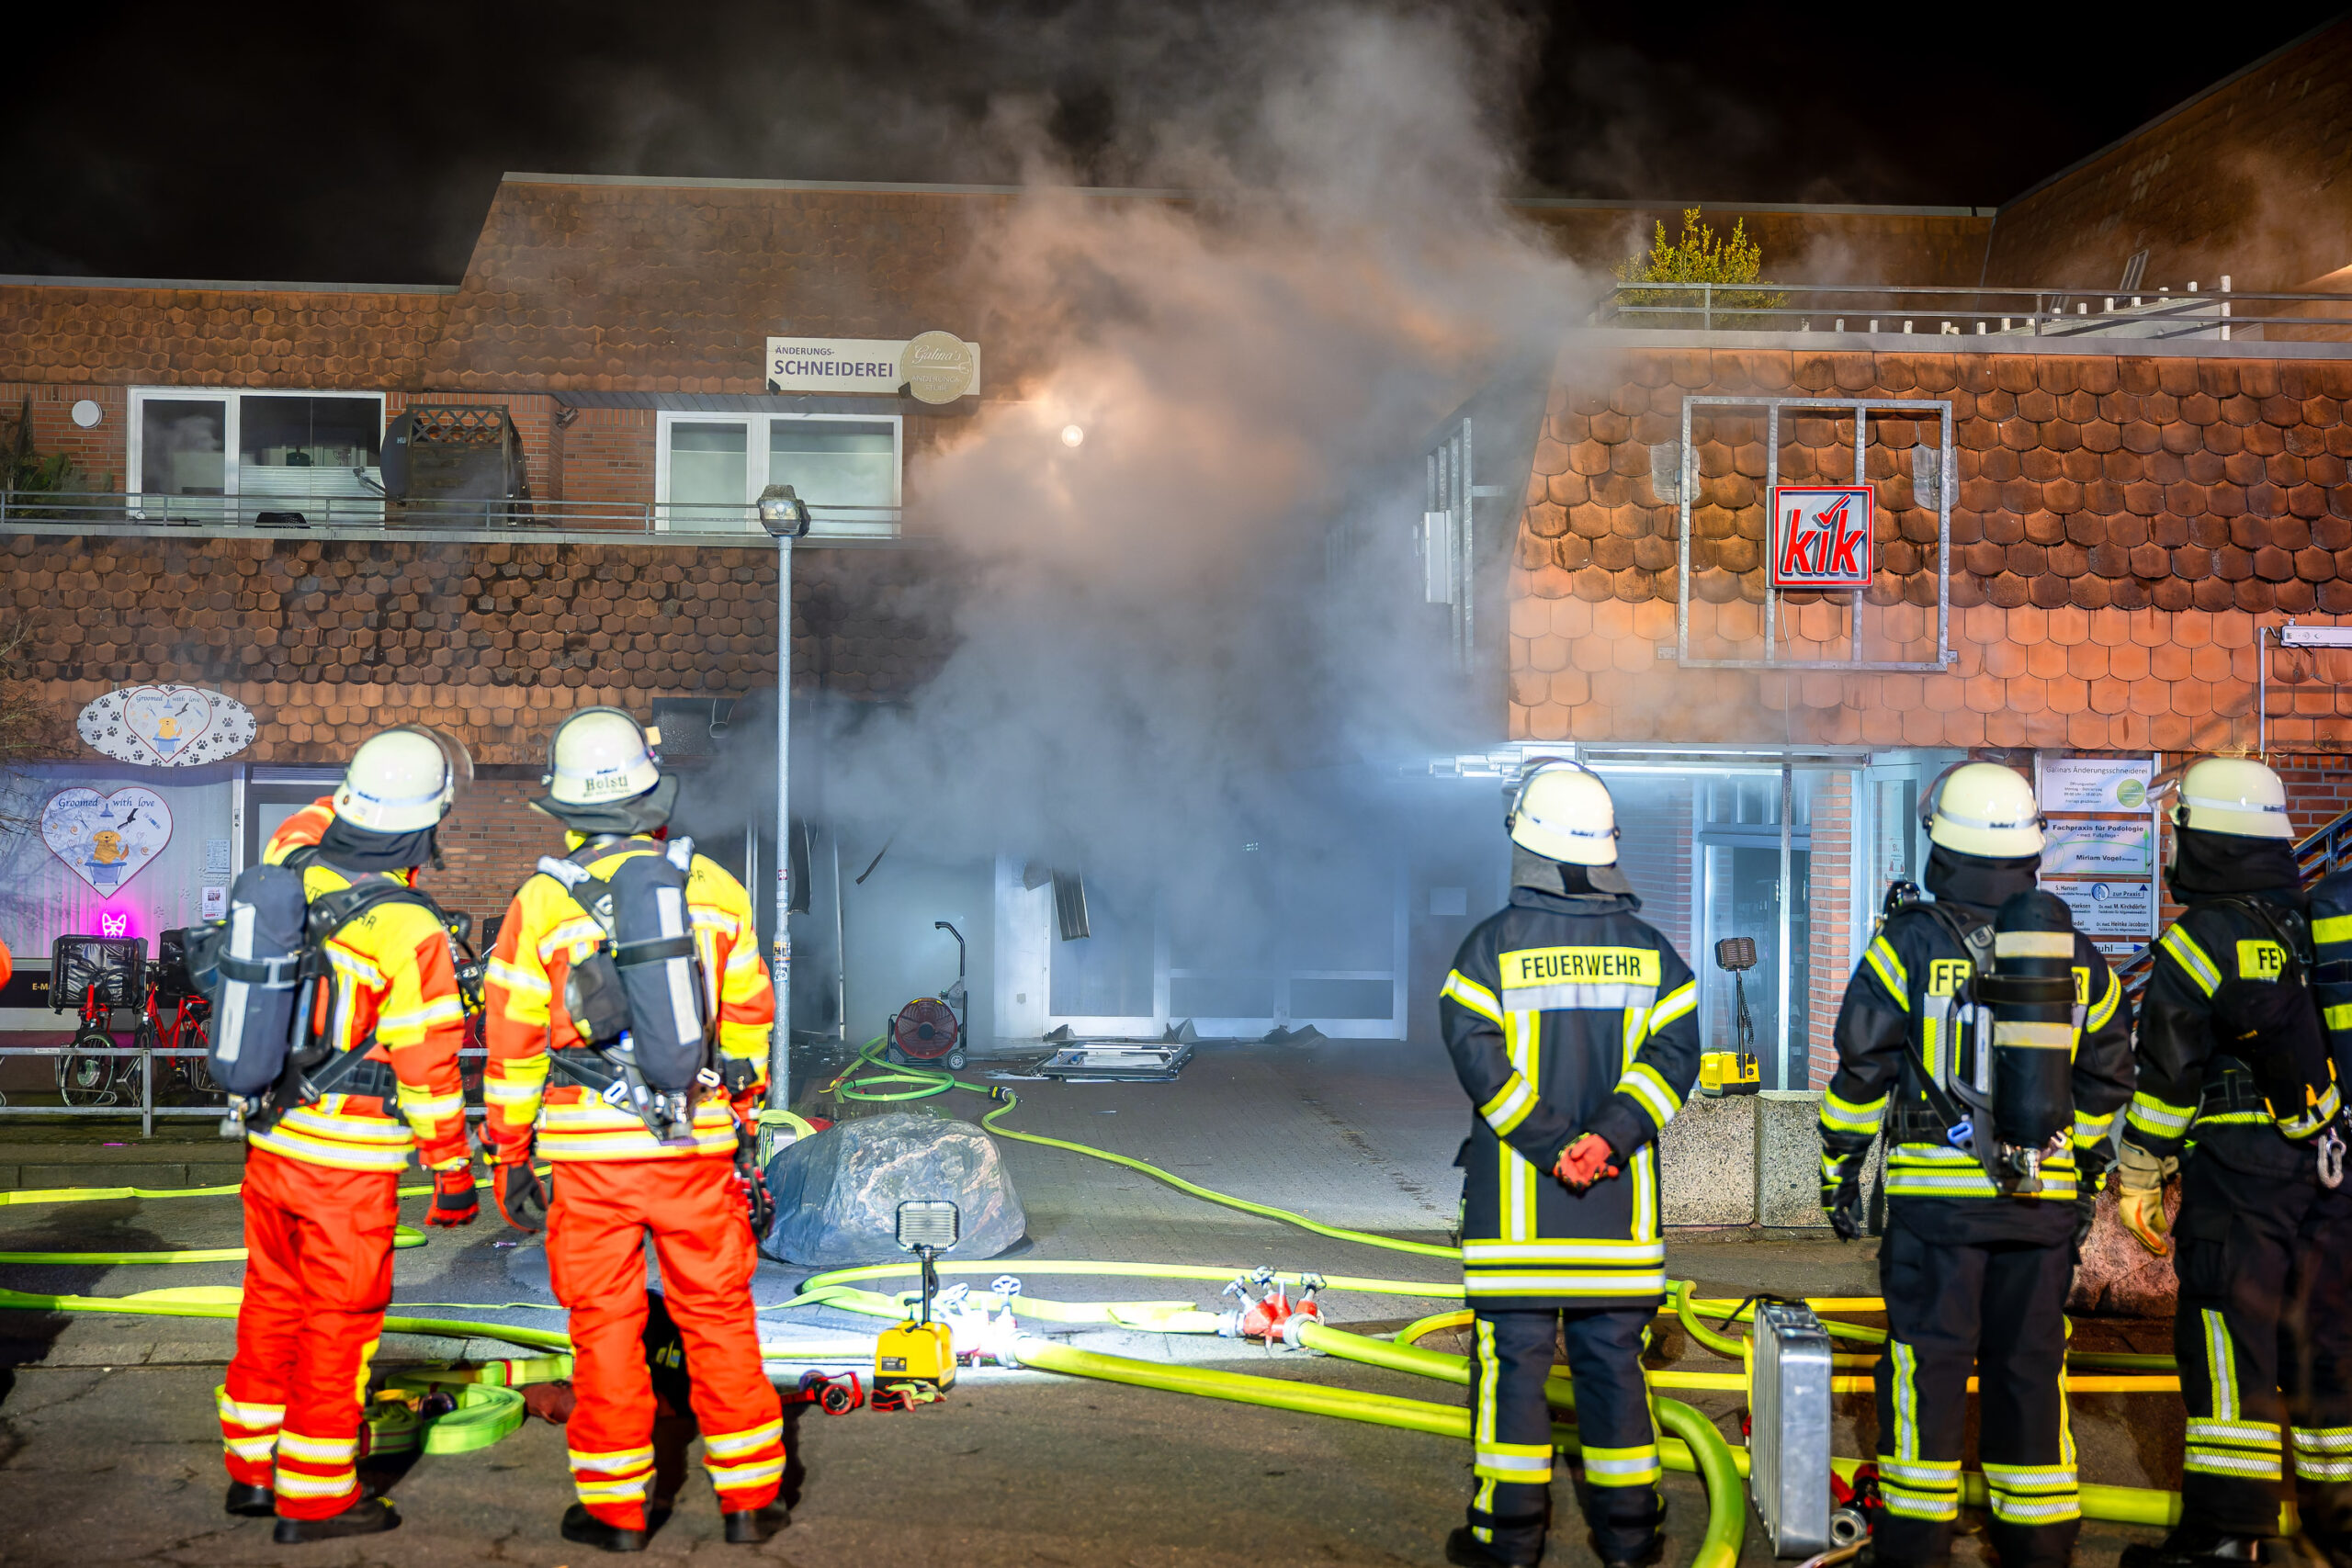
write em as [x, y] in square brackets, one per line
[652, 1065]
[311, 1072]
[1950, 1123]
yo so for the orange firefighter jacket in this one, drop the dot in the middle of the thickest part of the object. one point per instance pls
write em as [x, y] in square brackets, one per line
[393, 992]
[545, 933]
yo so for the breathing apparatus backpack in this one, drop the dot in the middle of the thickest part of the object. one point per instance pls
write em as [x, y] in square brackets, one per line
[2004, 1091]
[261, 968]
[640, 999]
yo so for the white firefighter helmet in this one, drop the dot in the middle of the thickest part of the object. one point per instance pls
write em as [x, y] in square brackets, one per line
[599, 756]
[1984, 809]
[1562, 812]
[399, 781]
[2233, 795]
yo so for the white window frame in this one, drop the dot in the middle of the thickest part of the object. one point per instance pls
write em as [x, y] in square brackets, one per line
[756, 439]
[232, 431]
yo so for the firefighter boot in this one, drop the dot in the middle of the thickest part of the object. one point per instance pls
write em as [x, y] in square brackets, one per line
[2199, 1547]
[250, 1502]
[749, 1527]
[1466, 1550]
[585, 1527]
[369, 1516]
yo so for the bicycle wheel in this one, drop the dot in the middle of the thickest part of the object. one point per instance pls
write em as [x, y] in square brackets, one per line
[89, 1079]
[193, 1036]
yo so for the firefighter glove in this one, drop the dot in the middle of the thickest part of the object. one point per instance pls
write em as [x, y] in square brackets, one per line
[1586, 1160]
[454, 1201]
[2140, 1195]
[521, 1201]
[1843, 1202]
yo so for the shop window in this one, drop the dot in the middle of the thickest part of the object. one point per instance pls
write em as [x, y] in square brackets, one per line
[185, 445]
[845, 468]
[265, 444]
[310, 446]
[840, 466]
[709, 473]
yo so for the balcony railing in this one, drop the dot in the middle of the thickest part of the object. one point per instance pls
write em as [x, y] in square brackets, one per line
[2224, 316]
[330, 515]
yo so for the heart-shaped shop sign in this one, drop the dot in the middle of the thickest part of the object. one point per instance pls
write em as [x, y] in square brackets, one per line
[168, 725]
[107, 838]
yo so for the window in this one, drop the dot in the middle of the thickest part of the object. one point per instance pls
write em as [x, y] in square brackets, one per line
[322, 450]
[845, 467]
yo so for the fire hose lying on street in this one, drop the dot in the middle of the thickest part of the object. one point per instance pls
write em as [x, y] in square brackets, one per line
[1809, 1499]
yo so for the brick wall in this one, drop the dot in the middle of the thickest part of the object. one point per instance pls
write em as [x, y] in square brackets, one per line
[325, 640]
[2254, 179]
[490, 844]
[1829, 903]
[608, 455]
[102, 452]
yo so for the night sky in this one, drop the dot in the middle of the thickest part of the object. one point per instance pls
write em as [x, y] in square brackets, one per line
[317, 143]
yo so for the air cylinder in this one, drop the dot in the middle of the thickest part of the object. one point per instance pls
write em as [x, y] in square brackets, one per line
[2031, 994]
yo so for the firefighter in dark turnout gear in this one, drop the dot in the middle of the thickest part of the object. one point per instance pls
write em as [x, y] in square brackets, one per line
[2263, 1330]
[1975, 1279]
[1572, 1024]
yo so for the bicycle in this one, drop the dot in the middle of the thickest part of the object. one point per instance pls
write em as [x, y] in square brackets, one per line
[96, 975]
[188, 1028]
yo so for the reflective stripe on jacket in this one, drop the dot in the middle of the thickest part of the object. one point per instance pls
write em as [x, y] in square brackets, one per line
[1903, 1007]
[393, 975]
[545, 932]
[1563, 1016]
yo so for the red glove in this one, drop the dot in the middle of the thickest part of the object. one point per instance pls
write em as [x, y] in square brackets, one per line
[1586, 1161]
[454, 1201]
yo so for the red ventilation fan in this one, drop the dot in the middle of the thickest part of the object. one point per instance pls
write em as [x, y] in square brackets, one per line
[931, 1029]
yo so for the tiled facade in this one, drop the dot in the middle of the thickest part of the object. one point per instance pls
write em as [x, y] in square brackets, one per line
[2118, 523]
[327, 641]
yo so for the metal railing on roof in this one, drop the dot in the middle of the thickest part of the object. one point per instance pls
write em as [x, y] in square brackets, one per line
[335, 515]
[1939, 312]
[2329, 848]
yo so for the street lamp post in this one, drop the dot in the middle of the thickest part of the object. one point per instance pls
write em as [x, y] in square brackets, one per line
[786, 515]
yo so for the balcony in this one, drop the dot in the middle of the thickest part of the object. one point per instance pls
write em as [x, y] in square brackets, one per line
[2224, 316]
[442, 519]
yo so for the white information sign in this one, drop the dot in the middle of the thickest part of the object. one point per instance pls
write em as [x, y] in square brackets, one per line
[2106, 910]
[2096, 783]
[2089, 847]
[940, 368]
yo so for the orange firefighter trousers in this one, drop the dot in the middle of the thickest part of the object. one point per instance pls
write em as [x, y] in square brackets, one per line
[318, 1274]
[694, 1210]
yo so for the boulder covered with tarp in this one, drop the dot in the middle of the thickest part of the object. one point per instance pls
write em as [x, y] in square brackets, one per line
[837, 1192]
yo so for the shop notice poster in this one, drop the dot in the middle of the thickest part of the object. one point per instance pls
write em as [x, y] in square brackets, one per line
[107, 838]
[2096, 783]
[2109, 912]
[2077, 847]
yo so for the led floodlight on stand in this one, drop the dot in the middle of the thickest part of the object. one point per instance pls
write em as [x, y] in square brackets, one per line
[916, 1360]
[1733, 1071]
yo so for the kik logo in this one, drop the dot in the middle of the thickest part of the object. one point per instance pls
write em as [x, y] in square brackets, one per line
[1821, 537]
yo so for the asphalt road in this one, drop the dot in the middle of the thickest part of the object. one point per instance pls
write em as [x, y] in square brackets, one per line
[109, 1453]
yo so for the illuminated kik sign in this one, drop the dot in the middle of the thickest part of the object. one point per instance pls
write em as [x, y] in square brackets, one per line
[1821, 537]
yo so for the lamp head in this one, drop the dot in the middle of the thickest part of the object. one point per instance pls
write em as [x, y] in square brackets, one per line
[783, 513]
[929, 1224]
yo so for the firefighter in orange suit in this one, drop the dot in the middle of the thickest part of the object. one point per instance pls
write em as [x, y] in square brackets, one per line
[616, 1181]
[320, 1184]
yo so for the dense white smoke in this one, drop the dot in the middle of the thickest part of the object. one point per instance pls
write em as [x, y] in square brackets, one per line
[1160, 648]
